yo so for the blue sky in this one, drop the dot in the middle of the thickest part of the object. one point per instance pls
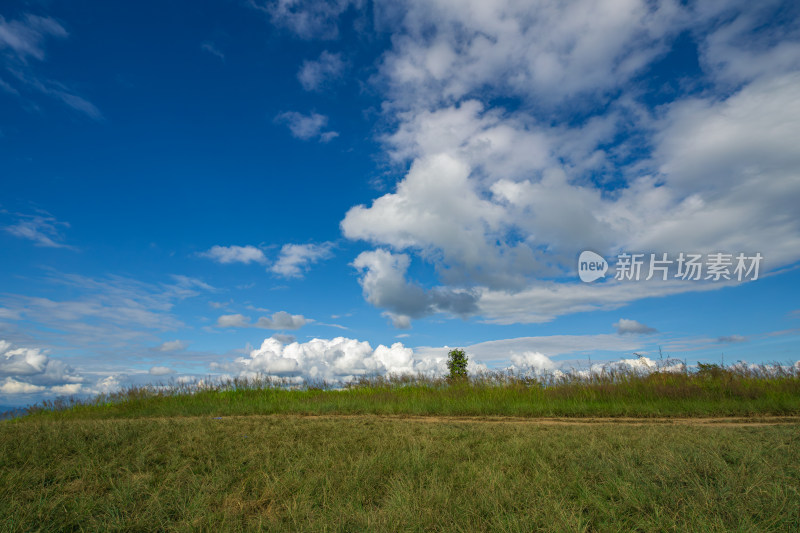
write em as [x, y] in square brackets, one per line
[321, 190]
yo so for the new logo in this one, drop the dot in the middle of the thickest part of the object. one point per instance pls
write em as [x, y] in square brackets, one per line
[591, 266]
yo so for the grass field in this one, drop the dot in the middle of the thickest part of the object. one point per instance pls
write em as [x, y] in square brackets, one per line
[391, 456]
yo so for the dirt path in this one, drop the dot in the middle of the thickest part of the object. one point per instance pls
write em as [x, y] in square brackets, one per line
[691, 421]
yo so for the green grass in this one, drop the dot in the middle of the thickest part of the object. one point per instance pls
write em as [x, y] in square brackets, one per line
[246, 456]
[369, 473]
[710, 391]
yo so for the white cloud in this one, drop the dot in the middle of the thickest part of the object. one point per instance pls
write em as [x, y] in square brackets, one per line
[543, 301]
[308, 19]
[171, 346]
[278, 320]
[734, 53]
[108, 385]
[342, 359]
[338, 359]
[8, 314]
[212, 49]
[233, 321]
[295, 258]
[113, 313]
[235, 254]
[307, 127]
[22, 40]
[281, 320]
[501, 202]
[550, 346]
[67, 390]
[729, 339]
[384, 285]
[12, 386]
[22, 361]
[160, 371]
[627, 326]
[545, 52]
[31, 370]
[59, 91]
[532, 362]
[44, 230]
[320, 73]
[25, 37]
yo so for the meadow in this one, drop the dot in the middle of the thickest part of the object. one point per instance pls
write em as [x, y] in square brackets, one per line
[717, 449]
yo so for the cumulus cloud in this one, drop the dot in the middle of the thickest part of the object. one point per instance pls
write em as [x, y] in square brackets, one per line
[109, 384]
[67, 390]
[294, 259]
[322, 72]
[501, 201]
[278, 320]
[547, 51]
[626, 326]
[31, 370]
[307, 127]
[234, 254]
[339, 359]
[384, 285]
[12, 386]
[531, 362]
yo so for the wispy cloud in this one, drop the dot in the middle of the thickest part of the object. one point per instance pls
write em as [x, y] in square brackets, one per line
[24, 39]
[212, 49]
[59, 91]
[171, 346]
[43, 229]
[307, 127]
[730, 339]
[110, 313]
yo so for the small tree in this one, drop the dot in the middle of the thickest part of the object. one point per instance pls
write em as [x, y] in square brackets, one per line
[457, 364]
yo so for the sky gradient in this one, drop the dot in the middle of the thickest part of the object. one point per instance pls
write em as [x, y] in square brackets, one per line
[322, 190]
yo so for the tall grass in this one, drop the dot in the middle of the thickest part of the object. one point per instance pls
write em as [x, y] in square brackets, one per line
[708, 390]
[371, 473]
